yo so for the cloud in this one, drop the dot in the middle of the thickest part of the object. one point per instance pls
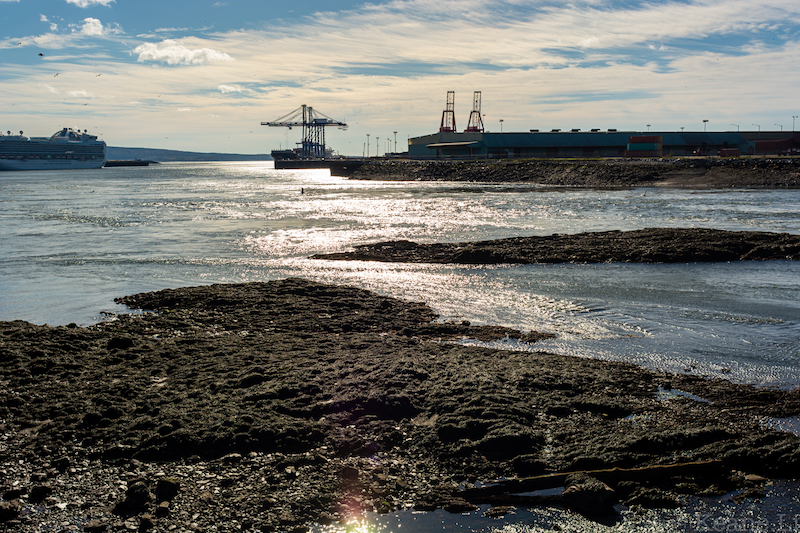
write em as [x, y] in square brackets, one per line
[175, 53]
[93, 27]
[227, 89]
[81, 94]
[184, 109]
[87, 3]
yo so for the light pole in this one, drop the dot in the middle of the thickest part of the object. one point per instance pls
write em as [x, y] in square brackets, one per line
[648, 128]
[781, 126]
[395, 141]
[737, 126]
[793, 117]
[705, 121]
[757, 126]
[367, 145]
[682, 128]
[501, 125]
[377, 146]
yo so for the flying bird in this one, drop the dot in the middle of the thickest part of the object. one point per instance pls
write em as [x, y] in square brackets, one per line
[41, 54]
[56, 74]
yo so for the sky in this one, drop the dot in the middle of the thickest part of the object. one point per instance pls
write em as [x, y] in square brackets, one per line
[202, 75]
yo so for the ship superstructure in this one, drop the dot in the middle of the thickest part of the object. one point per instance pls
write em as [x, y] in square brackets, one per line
[65, 149]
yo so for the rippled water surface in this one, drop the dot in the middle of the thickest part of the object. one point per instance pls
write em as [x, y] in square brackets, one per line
[72, 241]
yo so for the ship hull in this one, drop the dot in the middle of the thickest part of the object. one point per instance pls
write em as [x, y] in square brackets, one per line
[48, 164]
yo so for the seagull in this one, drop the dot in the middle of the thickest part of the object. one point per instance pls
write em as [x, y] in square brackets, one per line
[56, 74]
[99, 75]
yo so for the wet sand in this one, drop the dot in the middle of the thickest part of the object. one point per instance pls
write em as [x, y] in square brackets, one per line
[274, 405]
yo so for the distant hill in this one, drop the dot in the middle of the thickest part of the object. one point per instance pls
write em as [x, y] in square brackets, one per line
[153, 154]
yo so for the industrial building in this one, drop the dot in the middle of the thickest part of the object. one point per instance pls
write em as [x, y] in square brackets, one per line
[595, 143]
[474, 142]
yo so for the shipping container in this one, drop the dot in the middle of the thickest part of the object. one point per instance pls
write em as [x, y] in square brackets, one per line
[645, 139]
[633, 147]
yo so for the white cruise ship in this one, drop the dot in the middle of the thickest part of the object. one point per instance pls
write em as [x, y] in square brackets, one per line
[65, 149]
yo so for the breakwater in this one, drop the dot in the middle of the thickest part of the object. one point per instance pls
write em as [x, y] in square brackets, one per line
[683, 172]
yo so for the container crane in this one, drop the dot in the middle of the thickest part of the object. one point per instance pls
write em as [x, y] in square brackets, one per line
[475, 123]
[448, 123]
[313, 124]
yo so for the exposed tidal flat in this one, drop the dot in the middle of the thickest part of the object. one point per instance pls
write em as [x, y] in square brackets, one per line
[271, 406]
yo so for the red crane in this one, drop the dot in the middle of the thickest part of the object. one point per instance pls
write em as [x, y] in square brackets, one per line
[449, 115]
[475, 123]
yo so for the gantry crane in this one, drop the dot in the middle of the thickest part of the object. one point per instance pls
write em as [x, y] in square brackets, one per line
[313, 124]
[475, 123]
[449, 115]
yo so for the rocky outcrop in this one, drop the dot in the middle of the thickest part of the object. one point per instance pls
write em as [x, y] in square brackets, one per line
[652, 245]
[272, 405]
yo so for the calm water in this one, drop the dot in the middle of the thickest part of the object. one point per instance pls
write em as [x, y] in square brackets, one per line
[72, 241]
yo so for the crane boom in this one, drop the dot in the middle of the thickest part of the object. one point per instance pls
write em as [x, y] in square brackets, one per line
[313, 124]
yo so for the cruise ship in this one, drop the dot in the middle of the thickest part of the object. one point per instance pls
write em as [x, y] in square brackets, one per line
[65, 149]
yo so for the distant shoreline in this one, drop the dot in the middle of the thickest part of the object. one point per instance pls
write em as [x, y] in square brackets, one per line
[162, 156]
[778, 173]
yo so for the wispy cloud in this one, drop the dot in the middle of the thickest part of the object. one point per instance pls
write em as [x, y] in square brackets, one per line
[175, 53]
[387, 65]
[88, 3]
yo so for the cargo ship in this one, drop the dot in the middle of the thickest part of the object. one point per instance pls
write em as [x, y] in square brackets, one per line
[65, 149]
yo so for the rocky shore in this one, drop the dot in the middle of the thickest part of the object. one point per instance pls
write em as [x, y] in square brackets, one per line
[651, 245]
[666, 172]
[269, 406]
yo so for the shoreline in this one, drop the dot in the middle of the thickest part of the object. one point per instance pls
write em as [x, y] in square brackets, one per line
[275, 405]
[686, 172]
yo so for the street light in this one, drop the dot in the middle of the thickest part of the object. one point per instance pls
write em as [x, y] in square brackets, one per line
[367, 145]
[501, 125]
[757, 126]
[781, 126]
[705, 121]
[793, 117]
[395, 141]
[377, 146]
[648, 128]
[737, 126]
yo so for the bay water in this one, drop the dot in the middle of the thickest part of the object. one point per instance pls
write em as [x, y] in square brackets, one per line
[72, 241]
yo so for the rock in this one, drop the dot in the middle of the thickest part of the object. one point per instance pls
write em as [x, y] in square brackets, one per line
[500, 511]
[231, 458]
[138, 494]
[459, 506]
[146, 522]
[589, 496]
[162, 510]
[39, 492]
[167, 489]
[95, 526]
[9, 510]
[652, 498]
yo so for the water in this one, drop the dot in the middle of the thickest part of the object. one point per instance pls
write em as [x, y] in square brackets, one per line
[72, 241]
